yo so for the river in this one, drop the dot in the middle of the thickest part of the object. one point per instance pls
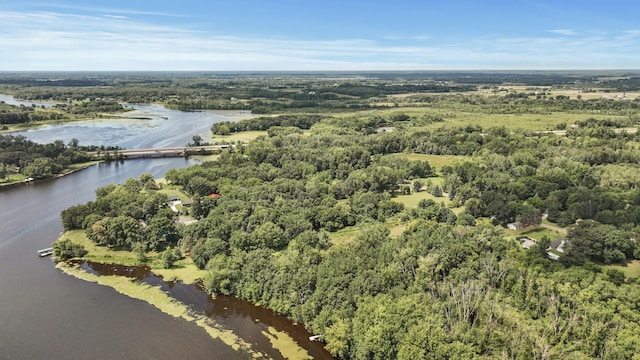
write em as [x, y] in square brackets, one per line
[45, 313]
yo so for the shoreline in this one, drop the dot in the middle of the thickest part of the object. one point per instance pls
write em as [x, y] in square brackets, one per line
[154, 296]
[231, 115]
[55, 176]
[186, 272]
[163, 302]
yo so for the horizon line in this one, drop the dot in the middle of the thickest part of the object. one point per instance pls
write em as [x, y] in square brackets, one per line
[326, 71]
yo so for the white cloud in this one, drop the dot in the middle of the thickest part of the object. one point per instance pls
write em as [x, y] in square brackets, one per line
[100, 10]
[414, 37]
[565, 32]
[115, 16]
[59, 41]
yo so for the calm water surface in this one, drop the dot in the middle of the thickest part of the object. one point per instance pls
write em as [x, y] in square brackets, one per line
[46, 314]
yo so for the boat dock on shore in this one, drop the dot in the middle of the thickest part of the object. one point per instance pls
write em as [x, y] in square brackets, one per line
[45, 252]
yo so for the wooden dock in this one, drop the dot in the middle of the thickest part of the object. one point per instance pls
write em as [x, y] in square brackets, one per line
[45, 252]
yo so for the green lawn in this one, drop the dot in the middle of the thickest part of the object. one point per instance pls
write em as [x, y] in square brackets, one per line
[411, 201]
[184, 269]
[172, 190]
[344, 236]
[13, 178]
[630, 270]
[244, 136]
[103, 254]
[536, 233]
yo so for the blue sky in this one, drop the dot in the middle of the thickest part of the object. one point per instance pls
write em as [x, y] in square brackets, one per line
[318, 35]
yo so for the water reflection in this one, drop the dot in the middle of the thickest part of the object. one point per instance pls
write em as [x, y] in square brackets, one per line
[246, 319]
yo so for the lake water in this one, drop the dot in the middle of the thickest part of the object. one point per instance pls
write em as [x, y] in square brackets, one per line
[146, 127]
[46, 314]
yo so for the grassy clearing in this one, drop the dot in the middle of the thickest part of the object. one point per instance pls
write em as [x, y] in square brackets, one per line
[184, 270]
[173, 190]
[344, 236]
[630, 269]
[411, 201]
[244, 137]
[12, 179]
[535, 233]
[397, 230]
[103, 254]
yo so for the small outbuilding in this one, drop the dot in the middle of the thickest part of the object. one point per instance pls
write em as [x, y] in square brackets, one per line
[515, 226]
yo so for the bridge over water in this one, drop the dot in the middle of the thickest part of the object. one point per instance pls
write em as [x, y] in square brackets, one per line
[157, 152]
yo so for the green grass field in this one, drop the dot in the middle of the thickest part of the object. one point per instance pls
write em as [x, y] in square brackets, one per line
[104, 254]
[411, 201]
[536, 233]
[172, 190]
[344, 236]
[184, 269]
[12, 179]
[244, 136]
[630, 269]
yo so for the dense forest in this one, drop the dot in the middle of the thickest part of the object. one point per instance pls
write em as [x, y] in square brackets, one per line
[380, 209]
[310, 220]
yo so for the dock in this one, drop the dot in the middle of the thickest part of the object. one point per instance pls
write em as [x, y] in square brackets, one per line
[45, 252]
